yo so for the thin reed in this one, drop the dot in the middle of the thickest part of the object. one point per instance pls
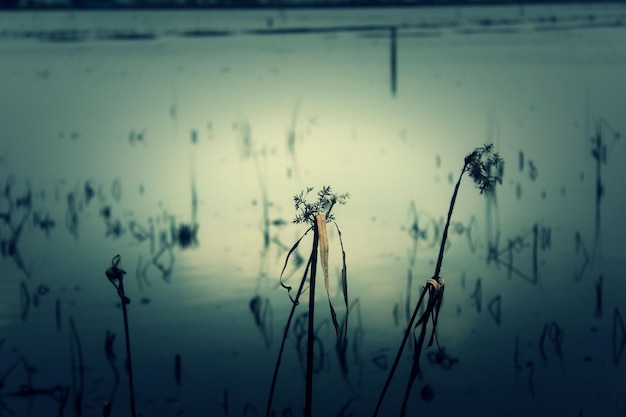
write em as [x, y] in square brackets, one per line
[480, 165]
[316, 215]
[116, 277]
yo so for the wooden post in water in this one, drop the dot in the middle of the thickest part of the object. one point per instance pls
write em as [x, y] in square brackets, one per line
[394, 55]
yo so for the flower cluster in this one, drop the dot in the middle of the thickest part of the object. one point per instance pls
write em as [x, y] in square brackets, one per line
[481, 164]
[326, 199]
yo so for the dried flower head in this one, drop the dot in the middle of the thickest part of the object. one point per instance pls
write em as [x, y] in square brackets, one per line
[114, 273]
[326, 199]
[116, 277]
[485, 167]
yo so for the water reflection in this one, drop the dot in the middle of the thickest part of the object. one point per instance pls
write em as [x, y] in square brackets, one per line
[191, 182]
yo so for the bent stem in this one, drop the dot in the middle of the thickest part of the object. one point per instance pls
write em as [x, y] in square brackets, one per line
[478, 164]
[428, 311]
[116, 276]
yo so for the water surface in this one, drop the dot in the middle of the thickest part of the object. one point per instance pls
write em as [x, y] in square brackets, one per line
[178, 140]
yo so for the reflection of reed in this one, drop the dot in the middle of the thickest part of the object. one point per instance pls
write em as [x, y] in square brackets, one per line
[10, 247]
[57, 311]
[517, 245]
[109, 339]
[291, 143]
[599, 154]
[394, 59]
[24, 301]
[248, 150]
[178, 369]
[619, 336]
[553, 334]
[261, 309]
[415, 236]
[598, 286]
[225, 402]
[78, 368]
[342, 347]
[27, 390]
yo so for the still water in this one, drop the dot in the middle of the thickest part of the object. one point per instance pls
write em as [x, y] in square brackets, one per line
[178, 141]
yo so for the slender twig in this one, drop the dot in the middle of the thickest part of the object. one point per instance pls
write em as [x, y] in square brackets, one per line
[78, 369]
[282, 344]
[308, 404]
[130, 363]
[116, 276]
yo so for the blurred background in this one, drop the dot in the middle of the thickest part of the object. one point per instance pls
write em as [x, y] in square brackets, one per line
[178, 139]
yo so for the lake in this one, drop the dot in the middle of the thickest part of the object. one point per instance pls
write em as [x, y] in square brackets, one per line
[178, 140]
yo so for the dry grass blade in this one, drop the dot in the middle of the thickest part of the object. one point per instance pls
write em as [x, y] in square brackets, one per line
[344, 281]
[293, 248]
[322, 231]
[323, 236]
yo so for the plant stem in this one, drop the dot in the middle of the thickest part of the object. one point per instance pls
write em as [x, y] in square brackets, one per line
[78, 380]
[282, 344]
[308, 404]
[444, 237]
[130, 366]
[399, 354]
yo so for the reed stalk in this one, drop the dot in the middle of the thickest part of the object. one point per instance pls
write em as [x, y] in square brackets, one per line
[316, 215]
[479, 165]
[116, 277]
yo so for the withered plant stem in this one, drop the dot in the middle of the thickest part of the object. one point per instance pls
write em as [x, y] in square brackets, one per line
[444, 237]
[308, 404]
[294, 304]
[127, 336]
[407, 332]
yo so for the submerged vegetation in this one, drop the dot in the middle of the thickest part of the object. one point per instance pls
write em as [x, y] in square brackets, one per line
[485, 167]
[316, 215]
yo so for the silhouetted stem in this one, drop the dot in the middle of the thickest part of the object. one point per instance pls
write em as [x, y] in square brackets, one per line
[399, 354]
[282, 345]
[127, 335]
[77, 380]
[418, 350]
[106, 409]
[308, 404]
[407, 332]
[444, 237]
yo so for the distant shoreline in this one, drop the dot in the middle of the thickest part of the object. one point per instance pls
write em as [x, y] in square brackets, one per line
[79, 5]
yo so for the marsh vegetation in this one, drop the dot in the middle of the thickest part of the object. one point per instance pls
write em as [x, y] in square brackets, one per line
[178, 141]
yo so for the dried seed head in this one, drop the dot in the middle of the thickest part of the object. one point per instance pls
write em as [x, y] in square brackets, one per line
[486, 167]
[326, 199]
[114, 273]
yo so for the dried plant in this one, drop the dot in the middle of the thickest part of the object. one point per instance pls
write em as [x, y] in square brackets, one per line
[485, 167]
[316, 215]
[116, 277]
